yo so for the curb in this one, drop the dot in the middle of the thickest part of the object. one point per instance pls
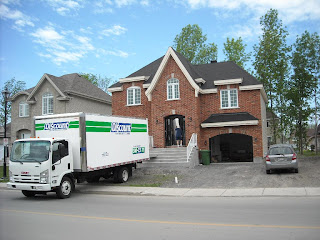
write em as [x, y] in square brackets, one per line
[195, 192]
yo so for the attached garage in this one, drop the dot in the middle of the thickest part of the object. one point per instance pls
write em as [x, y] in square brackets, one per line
[231, 147]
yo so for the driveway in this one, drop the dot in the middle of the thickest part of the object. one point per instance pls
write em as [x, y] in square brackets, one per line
[231, 175]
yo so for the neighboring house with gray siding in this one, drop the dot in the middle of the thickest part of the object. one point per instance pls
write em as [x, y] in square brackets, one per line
[55, 95]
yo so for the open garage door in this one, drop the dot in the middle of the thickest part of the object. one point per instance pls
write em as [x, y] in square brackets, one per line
[231, 147]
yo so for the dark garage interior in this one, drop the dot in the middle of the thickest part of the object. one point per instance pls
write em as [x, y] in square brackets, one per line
[232, 147]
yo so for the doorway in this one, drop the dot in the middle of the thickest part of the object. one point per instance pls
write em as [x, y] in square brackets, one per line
[171, 123]
[231, 147]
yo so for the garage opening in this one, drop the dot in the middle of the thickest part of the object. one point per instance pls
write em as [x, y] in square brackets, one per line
[231, 147]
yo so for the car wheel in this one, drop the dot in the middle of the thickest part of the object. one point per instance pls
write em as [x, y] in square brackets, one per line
[268, 171]
[296, 170]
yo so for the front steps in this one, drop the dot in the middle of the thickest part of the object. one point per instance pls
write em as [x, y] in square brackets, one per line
[167, 157]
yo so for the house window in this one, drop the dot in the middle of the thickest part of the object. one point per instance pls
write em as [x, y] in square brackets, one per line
[229, 98]
[47, 104]
[134, 96]
[173, 92]
[23, 109]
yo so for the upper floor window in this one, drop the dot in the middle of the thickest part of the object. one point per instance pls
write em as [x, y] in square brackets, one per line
[47, 104]
[229, 98]
[173, 89]
[134, 96]
[23, 109]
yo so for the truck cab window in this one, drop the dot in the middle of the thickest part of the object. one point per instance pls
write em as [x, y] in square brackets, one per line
[59, 150]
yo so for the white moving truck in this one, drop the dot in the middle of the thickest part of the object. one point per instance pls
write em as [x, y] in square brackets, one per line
[77, 146]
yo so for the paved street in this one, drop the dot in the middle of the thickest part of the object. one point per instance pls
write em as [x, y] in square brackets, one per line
[138, 217]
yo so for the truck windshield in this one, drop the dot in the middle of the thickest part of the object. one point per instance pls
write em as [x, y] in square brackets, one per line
[30, 151]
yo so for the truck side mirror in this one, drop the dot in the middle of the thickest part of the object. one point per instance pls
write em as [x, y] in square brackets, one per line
[53, 167]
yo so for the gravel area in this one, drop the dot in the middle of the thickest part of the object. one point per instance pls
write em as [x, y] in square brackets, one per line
[228, 175]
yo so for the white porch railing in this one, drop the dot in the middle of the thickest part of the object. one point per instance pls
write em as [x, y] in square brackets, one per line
[192, 144]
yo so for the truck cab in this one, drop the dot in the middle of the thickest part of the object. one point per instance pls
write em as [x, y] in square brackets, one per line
[40, 165]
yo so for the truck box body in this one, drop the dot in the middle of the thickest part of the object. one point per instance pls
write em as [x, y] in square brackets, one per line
[98, 141]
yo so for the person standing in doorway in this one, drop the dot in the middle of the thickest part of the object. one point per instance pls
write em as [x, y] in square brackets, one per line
[179, 136]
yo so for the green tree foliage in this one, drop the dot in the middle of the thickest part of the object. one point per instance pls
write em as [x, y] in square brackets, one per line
[305, 62]
[272, 65]
[235, 50]
[13, 86]
[101, 82]
[191, 43]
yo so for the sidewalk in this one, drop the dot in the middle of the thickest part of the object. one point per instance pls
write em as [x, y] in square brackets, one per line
[195, 192]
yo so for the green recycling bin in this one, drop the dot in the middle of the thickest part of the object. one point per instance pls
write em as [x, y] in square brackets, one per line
[205, 157]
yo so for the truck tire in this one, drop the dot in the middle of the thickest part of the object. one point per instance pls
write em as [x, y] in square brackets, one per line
[28, 193]
[123, 174]
[65, 188]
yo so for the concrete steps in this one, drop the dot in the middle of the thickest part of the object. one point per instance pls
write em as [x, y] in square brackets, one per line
[167, 157]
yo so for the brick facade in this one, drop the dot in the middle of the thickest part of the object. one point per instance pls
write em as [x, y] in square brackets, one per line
[194, 108]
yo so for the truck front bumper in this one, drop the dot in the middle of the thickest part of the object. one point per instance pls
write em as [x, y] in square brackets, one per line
[29, 186]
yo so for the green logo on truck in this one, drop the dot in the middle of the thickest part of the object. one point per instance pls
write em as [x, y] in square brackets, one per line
[138, 149]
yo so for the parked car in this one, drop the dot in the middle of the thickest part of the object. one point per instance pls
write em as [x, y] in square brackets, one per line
[281, 156]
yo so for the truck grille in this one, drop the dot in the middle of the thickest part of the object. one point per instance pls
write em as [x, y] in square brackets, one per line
[26, 178]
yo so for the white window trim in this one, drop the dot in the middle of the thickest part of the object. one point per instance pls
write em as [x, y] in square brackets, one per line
[23, 109]
[134, 96]
[229, 98]
[174, 85]
[47, 96]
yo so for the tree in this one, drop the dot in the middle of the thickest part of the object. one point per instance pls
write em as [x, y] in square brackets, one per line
[272, 66]
[305, 62]
[235, 50]
[191, 43]
[13, 86]
[101, 82]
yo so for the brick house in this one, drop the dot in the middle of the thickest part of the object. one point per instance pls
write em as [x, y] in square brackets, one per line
[54, 95]
[220, 102]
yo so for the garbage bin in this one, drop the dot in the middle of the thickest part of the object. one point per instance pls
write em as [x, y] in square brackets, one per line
[205, 157]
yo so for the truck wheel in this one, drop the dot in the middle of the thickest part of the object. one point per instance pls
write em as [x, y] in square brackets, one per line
[65, 188]
[28, 193]
[123, 175]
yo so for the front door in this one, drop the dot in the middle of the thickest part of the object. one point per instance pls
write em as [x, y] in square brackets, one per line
[171, 123]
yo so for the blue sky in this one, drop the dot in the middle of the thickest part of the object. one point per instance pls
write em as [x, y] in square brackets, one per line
[114, 38]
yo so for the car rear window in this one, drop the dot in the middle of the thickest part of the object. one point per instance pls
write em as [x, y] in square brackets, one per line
[280, 151]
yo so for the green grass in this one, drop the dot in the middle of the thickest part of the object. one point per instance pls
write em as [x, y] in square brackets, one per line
[310, 153]
[1, 174]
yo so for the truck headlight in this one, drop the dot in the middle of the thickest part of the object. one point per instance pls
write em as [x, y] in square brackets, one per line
[11, 178]
[44, 176]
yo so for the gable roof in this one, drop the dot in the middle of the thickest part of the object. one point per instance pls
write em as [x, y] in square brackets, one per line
[207, 73]
[72, 84]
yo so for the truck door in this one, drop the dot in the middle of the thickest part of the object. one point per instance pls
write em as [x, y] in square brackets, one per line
[60, 160]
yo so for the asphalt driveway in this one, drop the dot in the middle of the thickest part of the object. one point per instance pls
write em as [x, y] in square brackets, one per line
[231, 175]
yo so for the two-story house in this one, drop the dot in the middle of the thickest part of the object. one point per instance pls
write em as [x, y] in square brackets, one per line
[55, 95]
[220, 102]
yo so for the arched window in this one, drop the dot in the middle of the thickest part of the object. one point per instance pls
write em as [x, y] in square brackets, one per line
[133, 96]
[47, 104]
[173, 91]
[23, 109]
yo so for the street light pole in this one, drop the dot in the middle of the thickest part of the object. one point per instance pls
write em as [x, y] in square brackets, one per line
[5, 95]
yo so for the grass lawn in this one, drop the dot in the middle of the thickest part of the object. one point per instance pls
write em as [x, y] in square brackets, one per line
[1, 174]
[310, 153]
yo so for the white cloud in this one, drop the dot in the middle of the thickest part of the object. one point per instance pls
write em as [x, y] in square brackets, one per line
[121, 3]
[62, 47]
[117, 53]
[20, 20]
[115, 30]
[289, 10]
[247, 32]
[65, 7]
[145, 3]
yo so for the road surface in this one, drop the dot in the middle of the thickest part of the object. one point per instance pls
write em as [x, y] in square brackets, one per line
[91, 216]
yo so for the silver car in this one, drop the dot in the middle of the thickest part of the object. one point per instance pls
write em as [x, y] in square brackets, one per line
[281, 156]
